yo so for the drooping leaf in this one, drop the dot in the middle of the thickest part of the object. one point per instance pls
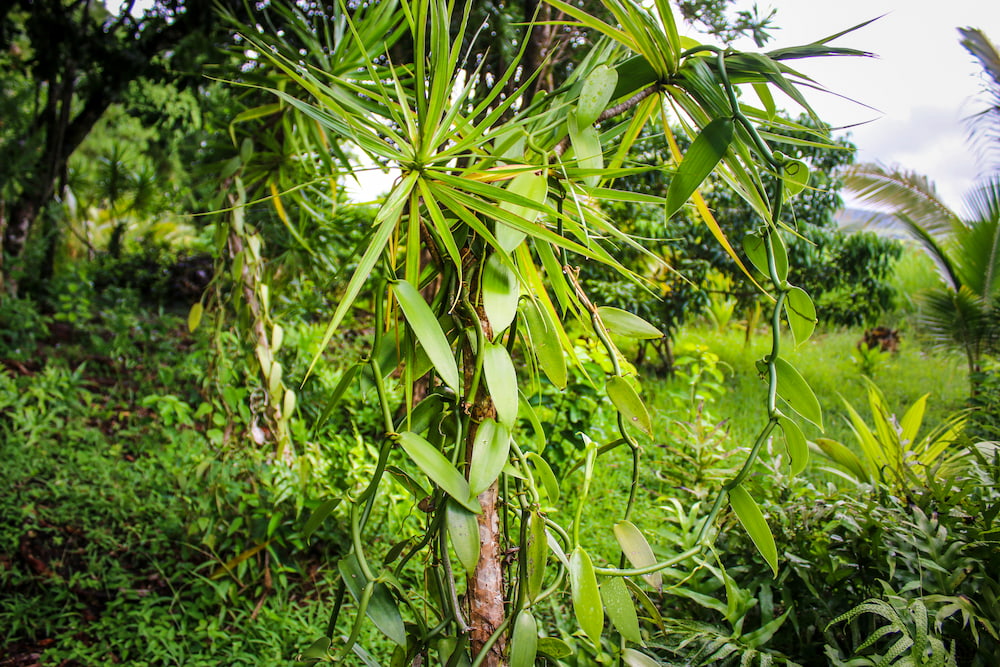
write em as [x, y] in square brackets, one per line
[634, 658]
[795, 444]
[796, 176]
[621, 610]
[537, 554]
[793, 388]
[753, 522]
[194, 316]
[382, 608]
[425, 327]
[491, 447]
[545, 343]
[801, 314]
[544, 472]
[463, 529]
[500, 293]
[637, 551]
[624, 323]
[844, 457]
[434, 464]
[627, 400]
[587, 149]
[701, 158]
[524, 640]
[597, 90]
[586, 596]
[501, 380]
[319, 515]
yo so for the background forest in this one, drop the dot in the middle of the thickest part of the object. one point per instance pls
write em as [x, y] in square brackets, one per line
[254, 411]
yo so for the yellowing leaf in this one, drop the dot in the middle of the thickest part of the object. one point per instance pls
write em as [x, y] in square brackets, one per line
[637, 551]
[624, 323]
[194, 316]
[627, 400]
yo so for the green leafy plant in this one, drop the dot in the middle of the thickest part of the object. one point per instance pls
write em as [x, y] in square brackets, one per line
[891, 452]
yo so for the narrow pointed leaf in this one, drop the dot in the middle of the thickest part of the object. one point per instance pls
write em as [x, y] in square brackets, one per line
[844, 457]
[434, 464]
[753, 522]
[621, 609]
[701, 158]
[795, 445]
[463, 530]
[425, 327]
[623, 323]
[491, 447]
[801, 314]
[318, 516]
[793, 388]
[627, 400]
[524, 640]
[586, 596]
[637, 551]
[500, 293]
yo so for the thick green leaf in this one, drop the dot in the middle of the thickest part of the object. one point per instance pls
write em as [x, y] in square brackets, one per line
[801, 314]
[587, 149]
[500, 293]
[318, 649]
[544, 472]
[524, 640]
[795, 444]
[621, 609]
[545, 343]
[797, 392]
[701, 158]
[463, 529]
[627, 400]
[425, 327]
[434, 464]
[597, 90]
[554, 648]
[531, 185]
[756, 250]
[796, 175]
[319, 515]
[637, 551]
[624, 323]
[382, 608]
[586, 596]
[652, 611]
[635, 658]
[490, 449]
[753, 522]
[501, 380]
[537, 554]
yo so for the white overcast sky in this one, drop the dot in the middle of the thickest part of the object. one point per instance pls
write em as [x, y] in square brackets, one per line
[922, 84]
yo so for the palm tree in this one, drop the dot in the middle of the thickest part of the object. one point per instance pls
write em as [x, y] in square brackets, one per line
[965, 248]
[963, 310]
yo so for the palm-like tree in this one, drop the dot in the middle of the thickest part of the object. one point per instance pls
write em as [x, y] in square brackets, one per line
[963, 310]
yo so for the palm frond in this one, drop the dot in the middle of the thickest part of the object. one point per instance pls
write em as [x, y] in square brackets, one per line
[898, 191]
[984, 126]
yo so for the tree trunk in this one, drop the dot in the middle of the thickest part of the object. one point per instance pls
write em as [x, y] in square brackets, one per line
[485, 593]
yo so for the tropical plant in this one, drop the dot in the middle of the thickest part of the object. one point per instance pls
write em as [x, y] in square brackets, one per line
[470, 263]
[892, 453]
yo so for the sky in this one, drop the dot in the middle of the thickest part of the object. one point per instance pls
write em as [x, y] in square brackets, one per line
[921, 84]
